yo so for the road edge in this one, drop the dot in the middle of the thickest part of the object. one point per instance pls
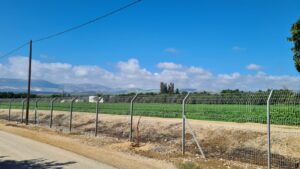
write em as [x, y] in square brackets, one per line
[116, 159]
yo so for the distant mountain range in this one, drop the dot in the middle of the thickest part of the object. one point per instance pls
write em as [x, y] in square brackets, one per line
[18, 85]
[45, 87]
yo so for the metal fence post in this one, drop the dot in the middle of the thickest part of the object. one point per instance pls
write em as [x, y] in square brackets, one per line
[36, 110]
[51, 112]
[9, 109]
[97, 112]
[23, 105]
[131, 116]
[183, 124]
[71, 113]
[269, 131]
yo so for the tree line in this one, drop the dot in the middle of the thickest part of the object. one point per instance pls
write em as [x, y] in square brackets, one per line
[15, 95]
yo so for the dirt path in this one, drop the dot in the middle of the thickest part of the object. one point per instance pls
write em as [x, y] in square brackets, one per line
[20, 152]
[75, 144]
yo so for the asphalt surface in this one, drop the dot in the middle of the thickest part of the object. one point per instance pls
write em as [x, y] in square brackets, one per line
[21, 153]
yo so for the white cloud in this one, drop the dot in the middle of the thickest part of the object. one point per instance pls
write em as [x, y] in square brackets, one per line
[171, 50]
[169, 65]
[238, 48]
[232, 76]
[131, 66]
[130, 74]
[254, 67]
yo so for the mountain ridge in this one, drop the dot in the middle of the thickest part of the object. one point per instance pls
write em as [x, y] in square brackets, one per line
[43, 86]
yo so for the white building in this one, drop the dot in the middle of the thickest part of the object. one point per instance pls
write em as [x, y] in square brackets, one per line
[79, 101]
[93, 99]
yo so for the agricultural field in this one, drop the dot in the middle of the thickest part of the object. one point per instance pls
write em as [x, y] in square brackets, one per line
[285, 114]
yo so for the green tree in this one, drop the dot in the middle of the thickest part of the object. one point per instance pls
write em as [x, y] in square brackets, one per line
[163, 88]
[295, 38]
[171, 89]
[166, 88]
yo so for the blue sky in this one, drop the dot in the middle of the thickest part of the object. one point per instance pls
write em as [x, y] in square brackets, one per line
[220, 37]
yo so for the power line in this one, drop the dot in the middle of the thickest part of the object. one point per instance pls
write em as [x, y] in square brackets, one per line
[72, 28]
[88, 22]
[14, 50]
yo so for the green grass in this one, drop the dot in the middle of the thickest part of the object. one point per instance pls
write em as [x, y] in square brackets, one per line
[280, 114]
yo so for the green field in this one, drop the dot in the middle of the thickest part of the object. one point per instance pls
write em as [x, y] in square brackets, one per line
[280, 114]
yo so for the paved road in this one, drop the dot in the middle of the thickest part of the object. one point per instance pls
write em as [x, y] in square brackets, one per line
[21, 153]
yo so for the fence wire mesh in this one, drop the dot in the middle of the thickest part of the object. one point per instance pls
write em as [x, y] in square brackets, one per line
[232, 125]
[285, 129]
[227, 125]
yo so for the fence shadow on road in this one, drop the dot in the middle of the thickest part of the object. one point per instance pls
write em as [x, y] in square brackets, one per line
[39, 163]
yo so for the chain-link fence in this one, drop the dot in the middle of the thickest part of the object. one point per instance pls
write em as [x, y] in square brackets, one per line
[234, 124]
[227, 125]
[285, 129]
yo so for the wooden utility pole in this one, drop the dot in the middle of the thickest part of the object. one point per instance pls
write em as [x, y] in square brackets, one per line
[29, 81]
